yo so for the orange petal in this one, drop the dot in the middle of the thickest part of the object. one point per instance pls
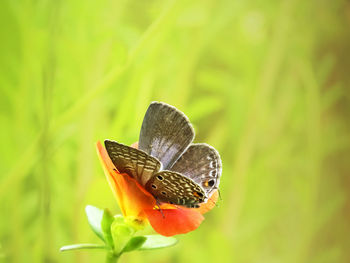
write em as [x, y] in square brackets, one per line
[206, 207]
[174, 221]
[131, 196]
[135, 198]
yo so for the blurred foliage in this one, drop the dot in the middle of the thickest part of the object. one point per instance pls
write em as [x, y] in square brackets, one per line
[265, 82]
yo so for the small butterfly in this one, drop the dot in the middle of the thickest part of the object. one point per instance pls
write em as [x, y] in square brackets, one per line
[167, 164]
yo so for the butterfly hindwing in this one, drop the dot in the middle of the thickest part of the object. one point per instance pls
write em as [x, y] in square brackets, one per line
[165, 133]
[174, 188]
[201, 163]
[134, 162]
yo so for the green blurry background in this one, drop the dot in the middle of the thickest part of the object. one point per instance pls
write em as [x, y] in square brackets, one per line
[265, 82]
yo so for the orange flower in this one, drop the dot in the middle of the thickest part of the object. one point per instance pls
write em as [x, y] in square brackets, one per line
[135, 202]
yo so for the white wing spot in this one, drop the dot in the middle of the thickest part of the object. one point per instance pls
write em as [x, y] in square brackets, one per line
[211, 165]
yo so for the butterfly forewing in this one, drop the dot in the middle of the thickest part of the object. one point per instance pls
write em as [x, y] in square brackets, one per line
[202, 164]
[134, 162]
[174, 188]
[165, 133]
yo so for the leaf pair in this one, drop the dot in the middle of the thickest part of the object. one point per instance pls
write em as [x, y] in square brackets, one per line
[118, 235]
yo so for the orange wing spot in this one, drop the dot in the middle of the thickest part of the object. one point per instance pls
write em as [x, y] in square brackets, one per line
[198, 195]
[206, 183]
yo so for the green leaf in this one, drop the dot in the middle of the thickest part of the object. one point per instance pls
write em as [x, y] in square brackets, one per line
[94, 216]
[121, 233]
[135, 243]
[82, 246]
[107, 220]
[157, 241]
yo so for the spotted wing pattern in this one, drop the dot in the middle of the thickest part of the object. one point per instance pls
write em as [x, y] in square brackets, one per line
[174, 188]
[202, 164]
[134, 162]
[165, 133]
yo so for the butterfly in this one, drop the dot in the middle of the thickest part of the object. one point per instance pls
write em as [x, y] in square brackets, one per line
[167, 164]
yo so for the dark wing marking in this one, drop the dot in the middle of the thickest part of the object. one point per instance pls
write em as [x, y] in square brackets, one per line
[165, 133]
[202, 164]
[134, 162]
[174, 188]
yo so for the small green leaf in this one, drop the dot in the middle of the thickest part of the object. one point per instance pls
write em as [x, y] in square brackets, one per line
[157, 241]
[107, 220]
[82, 246]
[121, 235]
[134, 243]
[94, 216]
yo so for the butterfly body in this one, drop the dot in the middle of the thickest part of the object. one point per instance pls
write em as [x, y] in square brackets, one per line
[166, 162]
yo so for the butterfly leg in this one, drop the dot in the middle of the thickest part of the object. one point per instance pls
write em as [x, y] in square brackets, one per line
[159, 209]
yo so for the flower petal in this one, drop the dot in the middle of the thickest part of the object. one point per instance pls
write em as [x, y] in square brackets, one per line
[131, 196]
[170, 222]
[209, 205]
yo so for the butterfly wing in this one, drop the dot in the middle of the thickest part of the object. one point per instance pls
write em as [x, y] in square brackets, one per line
[201, 163]
[174, 188]
[134, 162]
[165, 133]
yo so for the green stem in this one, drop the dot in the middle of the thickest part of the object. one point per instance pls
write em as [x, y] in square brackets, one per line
[112, 258]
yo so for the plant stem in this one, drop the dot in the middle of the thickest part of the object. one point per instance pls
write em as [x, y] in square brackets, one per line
[112, 258]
